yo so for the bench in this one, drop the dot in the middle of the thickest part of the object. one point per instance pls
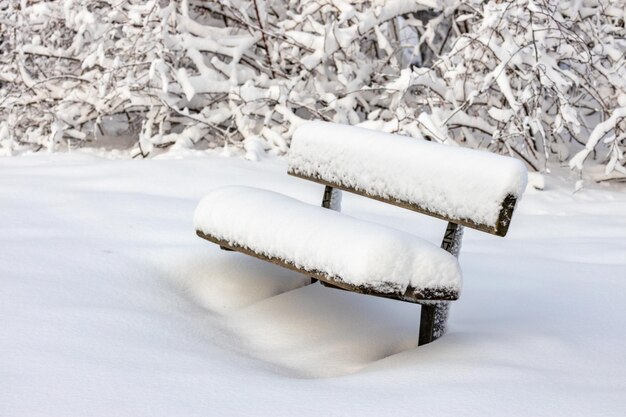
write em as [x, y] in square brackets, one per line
[465, 187]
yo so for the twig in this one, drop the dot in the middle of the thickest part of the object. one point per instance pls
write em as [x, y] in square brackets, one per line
[267, 49]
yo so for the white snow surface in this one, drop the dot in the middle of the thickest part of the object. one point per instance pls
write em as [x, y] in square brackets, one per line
[110, 305]
[458, 183]
[313, 238]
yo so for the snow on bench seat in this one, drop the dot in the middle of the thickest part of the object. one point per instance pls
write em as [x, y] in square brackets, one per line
[474, 188]
[331, 246]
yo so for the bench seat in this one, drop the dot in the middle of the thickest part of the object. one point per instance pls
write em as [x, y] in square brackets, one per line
[338, 249]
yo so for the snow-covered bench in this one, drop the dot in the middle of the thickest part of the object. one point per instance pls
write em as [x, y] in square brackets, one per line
[465, 187]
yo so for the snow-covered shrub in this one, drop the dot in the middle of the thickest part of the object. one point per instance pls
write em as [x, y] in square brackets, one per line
[529, 78]
[189, 72]
[537, 80]
[66, 65]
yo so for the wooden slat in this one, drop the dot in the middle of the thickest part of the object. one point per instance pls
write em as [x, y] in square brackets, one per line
[500, 229]
[411, 295]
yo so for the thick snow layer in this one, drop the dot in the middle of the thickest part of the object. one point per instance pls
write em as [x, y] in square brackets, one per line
[457, 183]
[313, 238]
[110, 305]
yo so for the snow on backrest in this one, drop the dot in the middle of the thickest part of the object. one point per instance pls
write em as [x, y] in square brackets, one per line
[470, 187]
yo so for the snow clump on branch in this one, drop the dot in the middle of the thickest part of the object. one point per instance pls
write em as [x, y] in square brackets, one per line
[544, 81]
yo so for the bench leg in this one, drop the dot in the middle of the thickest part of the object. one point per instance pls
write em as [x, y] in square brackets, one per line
[331, 200]
[433, 321]
[434, 316]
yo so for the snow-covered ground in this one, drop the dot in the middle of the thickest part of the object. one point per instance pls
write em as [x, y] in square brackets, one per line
[111, 306]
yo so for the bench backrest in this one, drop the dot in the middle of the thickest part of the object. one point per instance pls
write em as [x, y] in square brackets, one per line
[464, 186]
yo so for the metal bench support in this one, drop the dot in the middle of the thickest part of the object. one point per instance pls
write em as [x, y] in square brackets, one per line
[434, 316]
[331, 200]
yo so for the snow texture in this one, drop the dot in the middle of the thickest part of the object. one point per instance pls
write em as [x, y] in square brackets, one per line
[456, 183]
[110, 305]
[313, 238]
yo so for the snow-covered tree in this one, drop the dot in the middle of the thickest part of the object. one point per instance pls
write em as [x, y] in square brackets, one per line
[540, 80]
[529, 78]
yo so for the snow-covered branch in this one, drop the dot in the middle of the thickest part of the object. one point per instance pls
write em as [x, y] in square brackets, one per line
[541, 81]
